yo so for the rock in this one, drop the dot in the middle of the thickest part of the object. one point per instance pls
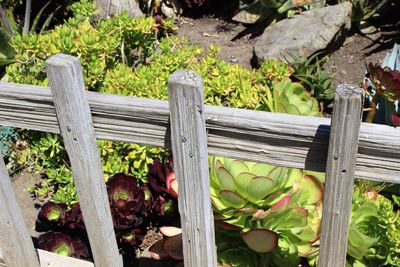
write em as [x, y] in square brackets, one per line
[304, 34]
[112, 7]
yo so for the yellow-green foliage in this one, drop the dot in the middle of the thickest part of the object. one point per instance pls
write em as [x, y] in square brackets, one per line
[122, 55]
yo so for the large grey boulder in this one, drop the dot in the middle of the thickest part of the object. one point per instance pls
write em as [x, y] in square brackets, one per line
[111, 7]
[304, 34]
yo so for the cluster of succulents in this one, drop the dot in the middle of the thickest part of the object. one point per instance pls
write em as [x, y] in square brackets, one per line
[277, 211]
[68, 235]
[289, 97]
[134, 205]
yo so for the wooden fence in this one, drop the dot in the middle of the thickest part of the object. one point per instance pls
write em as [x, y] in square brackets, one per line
[193, 131]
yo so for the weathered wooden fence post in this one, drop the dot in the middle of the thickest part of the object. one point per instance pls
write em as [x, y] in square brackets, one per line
[189, 148]
[15, 240]
[76, 126]
[340, 169]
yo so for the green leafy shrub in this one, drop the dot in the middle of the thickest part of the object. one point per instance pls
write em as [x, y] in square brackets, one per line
[7, 135]
[366, 9]
[317, 81]
[374, 232]
[122, 55]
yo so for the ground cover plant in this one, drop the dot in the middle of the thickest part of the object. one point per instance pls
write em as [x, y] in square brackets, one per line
[134, 57]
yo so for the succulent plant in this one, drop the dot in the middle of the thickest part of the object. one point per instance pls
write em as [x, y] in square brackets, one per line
[128, 199]
[238, 257]
[164, 190]
[268, 10]
[161, 178]
[170, 246]
[64, 245]
[292, 98]
[386, 81]
[244, 185]
[277, 209]
[374, 230]
[52, 214]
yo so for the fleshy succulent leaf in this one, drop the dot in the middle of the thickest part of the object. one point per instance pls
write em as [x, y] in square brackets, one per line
[173, 247]
[259, 187]
[64, 245]
[225, 179]
[170, 231]
[242, 181]
[157, 252]
[261, 240]
[232, 198]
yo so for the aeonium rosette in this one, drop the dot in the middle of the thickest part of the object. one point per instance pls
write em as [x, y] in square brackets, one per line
[128, 199]
[64, 245]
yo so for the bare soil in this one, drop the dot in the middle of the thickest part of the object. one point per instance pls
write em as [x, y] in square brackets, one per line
[347, 63]
[29, 205]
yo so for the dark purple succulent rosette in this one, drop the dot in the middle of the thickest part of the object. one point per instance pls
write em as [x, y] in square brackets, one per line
[164, 199]
[52, 215]
[64, 245]
[130, 237]
[127, 201]
[74, 219]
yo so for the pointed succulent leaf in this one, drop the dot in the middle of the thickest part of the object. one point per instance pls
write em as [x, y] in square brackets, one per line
[225, 179]
[242, 182]
[283, 204]
[261, 169]
[277, 175]
[261, 240]
[293, 218]
[309, 190]
[237, 167]
[308, 234]
[157, 252]
[173, 246]
[172, 185]
[232, 198]
[259, 187]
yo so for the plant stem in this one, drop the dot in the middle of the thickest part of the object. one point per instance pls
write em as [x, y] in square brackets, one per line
[371, 113]
[6, 22]
[264, 261]
[27, 18]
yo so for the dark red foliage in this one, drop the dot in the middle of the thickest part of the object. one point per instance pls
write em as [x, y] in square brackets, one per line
[63, 244]
[52, 214]
[161, 176]
[395, 118]
[128, 201]
[194, 3]
[386, 81]
[131, 237]
[74, 219]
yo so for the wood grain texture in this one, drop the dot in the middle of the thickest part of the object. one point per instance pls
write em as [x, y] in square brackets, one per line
[73, 113]
[280, 139]
[189, 147]
[48, 259]
[340, 169]
[15, 240]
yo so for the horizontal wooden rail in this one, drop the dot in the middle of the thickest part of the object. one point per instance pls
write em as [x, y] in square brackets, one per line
[280, 139]
[49, 259]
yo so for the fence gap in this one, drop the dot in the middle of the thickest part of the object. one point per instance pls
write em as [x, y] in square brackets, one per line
[15, 240]
[189, 148]
[340, 170]
[76, 126]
